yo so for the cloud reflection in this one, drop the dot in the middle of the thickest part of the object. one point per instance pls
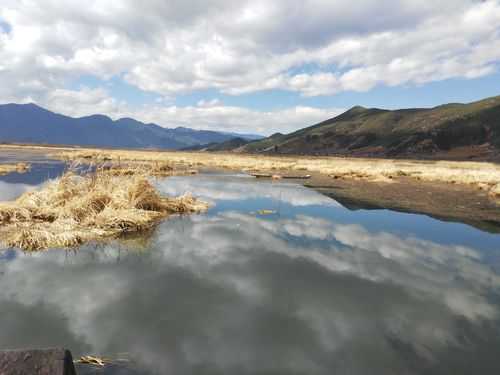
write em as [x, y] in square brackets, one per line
[233, 293]
[10, 191]
[231, 188]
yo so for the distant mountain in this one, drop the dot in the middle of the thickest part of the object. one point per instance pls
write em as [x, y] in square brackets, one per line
[229, 145]
[29, 123]
[246, 136]
[452, 131]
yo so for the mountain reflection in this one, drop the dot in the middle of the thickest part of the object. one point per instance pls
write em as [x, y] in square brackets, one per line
[235, 293]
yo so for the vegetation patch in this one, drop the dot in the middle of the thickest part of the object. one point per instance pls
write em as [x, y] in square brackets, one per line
[479, 175]
[156, 169]
[79, 208]
[10, 168]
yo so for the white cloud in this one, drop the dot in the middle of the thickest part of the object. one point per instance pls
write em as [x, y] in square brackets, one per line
[236, 119]
[9, 191]
[207, 114]
[240, 47]
[207, 277]
[85, 101]
[238, 189]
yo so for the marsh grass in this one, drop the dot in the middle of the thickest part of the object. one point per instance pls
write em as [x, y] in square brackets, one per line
[91, 206]
[10, 168]
[478, 175]
[155, 169]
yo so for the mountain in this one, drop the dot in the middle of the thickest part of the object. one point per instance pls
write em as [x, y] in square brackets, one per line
[451, 131]
[246, 136]
[29, 123]
[229, 145]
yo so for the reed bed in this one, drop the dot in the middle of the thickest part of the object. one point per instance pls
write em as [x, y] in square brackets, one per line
[479, 175]
[78, 208]
[155, 169]
[10, 168]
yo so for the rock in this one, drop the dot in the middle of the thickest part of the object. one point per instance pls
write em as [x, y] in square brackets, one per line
[37, 362]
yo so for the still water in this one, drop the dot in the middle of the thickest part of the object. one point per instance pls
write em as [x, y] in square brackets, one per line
[311, 288]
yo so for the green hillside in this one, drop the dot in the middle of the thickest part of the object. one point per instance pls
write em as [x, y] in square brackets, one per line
[453, 131]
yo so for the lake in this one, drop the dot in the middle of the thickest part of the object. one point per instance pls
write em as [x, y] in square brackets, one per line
[274, 279]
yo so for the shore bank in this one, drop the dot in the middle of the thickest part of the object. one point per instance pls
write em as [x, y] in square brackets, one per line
[447, 202]
[478, 175]
[467, 192]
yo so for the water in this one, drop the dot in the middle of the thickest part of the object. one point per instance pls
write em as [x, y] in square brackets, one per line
[311, 288]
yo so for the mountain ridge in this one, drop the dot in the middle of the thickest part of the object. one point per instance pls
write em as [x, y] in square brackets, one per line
[448, 131]
[31, 123]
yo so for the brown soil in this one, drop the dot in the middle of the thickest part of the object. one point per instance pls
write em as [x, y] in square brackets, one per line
[448, 202]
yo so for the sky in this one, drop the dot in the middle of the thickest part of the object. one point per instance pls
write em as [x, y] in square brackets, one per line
[255, 66]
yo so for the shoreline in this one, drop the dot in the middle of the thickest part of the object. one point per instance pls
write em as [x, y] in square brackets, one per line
[445, 202]
[451, 191]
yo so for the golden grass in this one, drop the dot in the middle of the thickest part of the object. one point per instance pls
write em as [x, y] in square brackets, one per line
[76, 209]
[480, 175]
[9, 168]
[156, 169]
[494, 192]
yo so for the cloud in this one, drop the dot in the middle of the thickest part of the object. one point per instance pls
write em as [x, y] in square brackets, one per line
[83, 102]
[311, 47]
[207, 114]
[9, 191]
[299, 300]
[229, 188]
[304, 294]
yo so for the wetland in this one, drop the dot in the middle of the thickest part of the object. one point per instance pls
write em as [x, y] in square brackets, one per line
[274, 277]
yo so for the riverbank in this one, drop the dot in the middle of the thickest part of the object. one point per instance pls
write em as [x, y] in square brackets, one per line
[457, 191]
[478, 175]
[446, 202]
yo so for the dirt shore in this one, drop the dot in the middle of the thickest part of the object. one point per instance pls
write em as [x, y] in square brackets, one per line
[447, 202]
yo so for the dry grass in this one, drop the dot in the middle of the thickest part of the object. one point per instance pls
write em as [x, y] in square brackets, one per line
[75, 209]
[480, 175]
[494, 192]
[156, 169]
[117, 166]
[9, 168]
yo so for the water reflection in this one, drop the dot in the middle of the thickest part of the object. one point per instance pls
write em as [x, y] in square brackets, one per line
[313, 289]
[42, 168]
[10, 191]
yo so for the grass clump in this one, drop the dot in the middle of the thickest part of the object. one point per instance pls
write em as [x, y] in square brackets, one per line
[156, 169]
[10, 168]
[75, 209]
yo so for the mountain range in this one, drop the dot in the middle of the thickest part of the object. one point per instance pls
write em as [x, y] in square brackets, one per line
[451, 131]
[29, 123]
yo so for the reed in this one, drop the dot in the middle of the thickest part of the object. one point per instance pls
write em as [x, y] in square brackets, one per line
[478, 175]
[79, 208]
[10, 168]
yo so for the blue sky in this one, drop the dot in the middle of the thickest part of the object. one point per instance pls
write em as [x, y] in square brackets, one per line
[247, 66]
[459, 90]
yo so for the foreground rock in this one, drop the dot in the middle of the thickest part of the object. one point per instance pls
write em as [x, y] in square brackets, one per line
[37, 362]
